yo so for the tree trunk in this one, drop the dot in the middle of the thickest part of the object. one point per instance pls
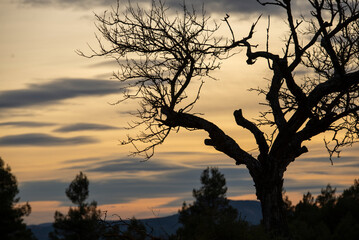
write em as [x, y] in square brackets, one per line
[269, 193]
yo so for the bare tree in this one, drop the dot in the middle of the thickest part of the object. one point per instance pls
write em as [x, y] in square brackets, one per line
[166, 56]
[159, 58]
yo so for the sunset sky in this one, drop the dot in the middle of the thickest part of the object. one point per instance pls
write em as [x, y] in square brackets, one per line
[56, 117]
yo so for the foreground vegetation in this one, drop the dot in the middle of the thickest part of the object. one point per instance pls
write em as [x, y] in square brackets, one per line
[210, 217]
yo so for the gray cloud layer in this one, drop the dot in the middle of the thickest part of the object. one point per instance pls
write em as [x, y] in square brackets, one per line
[84, 127]
[56, 90]
[26, 124]
[164, 179]
[224, 6]
[168, 183]
[39, 139]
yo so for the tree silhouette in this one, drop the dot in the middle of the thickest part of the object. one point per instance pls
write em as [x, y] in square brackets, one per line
[328, 216]
[347, 213]
[163, 59]
[11, 214]
[210, 216]
[327, 197]
[78, 191]
[136, 230]
[81, 222]
[129, 229]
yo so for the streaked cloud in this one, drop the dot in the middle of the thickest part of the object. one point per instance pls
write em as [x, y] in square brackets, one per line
[85, 4]
[27, 124]
[57, 90]
[225, 6]
[50, 190]
[130, 178]
[112, 190]
[40, 139]
[127, 165]
[84, 127]
[335, 160]
[132, 166]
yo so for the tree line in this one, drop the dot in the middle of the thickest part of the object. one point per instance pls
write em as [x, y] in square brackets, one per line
[210, 216]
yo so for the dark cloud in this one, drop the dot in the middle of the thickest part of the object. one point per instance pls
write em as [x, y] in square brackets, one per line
[43, 191]
[124, 165]
[176, 153]
[27, 124]
[126, 181]
[39, 139]
[84, 127]
[55, 91]
[335, 160]
[129, 167]
[83, 4]
[312, 185]
[211, 6]
[82, 160]
[166, 179]
[236, 6]
[353, 165]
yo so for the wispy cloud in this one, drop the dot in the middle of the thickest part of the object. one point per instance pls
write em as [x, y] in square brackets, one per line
[55, 91]
[135, 165]
[84, 127]
[26, 124]
[39, 139]
[345, 159]
[123, 165]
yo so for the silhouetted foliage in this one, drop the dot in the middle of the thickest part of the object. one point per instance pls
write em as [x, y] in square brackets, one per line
[328, 217]
[12, 226]
[130, 229]
[81, 222]
[163, 59]
[136, 230]
[78, 191]
[210, 217]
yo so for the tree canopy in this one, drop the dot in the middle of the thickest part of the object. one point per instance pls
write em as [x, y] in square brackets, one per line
[12, 226]
[81, 222]
[210, 216]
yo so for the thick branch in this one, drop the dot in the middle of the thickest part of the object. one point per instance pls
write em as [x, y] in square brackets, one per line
[273, 98]
[258, 134]
[217, 138]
